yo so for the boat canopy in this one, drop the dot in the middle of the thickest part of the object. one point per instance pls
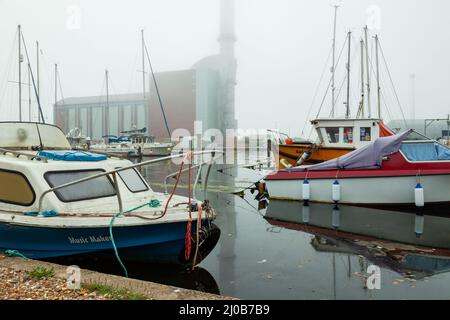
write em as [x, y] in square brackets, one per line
[29, 135]
[425, 151]
[367, 157]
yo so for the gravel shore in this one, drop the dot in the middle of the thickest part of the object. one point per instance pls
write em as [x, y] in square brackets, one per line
[19, 285]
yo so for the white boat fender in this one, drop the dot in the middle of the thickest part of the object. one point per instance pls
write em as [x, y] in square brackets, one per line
[336, 218]
[306, 190]
[419, 197]
[306, 213]
[303, 158]
[418, 225]
[336, 191]
[285, 164]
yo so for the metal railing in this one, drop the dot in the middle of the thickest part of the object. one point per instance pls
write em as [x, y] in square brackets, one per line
[27, 155]
[115, 180]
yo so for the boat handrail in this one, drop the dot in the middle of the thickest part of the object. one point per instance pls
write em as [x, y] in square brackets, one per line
[187, 169]
[18, 154]
[115, 171]
[109, 155]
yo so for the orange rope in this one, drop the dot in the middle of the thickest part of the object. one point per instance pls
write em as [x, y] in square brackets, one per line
[188, 239]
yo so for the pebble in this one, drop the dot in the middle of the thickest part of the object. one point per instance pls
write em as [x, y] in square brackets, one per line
[17, 285]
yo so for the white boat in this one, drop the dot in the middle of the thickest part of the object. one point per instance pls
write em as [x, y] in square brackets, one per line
[113, 145]
[55, 202]
[389, 171]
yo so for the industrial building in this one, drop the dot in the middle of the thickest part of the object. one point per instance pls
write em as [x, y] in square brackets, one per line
[203, 93]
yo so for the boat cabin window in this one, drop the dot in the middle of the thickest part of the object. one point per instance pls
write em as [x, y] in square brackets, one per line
[96, 188]
[15, 189]
[133, 180]
[425, 152]
[348, 135]
[365, 134]
[332, 134]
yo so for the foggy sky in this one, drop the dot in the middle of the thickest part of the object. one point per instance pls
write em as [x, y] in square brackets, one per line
[281, 51]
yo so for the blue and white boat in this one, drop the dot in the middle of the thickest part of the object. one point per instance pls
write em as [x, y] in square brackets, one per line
[58, 202]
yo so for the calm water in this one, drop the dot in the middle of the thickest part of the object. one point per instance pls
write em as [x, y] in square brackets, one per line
[287, 251]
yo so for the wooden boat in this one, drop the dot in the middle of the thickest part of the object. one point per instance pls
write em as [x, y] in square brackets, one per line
[337, 137]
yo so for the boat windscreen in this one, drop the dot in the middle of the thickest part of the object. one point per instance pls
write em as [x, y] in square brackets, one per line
[425, 151]
[27, 135]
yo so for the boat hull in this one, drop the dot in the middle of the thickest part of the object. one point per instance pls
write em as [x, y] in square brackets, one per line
[163, 242]
[291, 153]
[373, 191]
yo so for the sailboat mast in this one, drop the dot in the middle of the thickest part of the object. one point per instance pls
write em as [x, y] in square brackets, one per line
[37, 69]
[29, 95]
[361, 104]
[333, 85]
[56, 84]
[378, 75]
[19, 31]
[107, 103]
[366, 29]
[347, 113]
[143, 62]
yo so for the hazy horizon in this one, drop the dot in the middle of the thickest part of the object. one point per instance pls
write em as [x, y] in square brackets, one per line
[281, 51]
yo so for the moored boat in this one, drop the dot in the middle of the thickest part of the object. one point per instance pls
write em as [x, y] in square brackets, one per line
[56, 202]
[389, 171]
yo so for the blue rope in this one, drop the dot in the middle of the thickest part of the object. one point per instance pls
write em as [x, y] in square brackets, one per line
[14, 253]
[152, 204]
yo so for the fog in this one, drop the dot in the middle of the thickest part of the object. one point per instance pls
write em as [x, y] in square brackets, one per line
[281, 50]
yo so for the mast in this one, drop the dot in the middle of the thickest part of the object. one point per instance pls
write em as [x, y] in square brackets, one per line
[107, 103]
[143, 63]
[20, 71]
[361, 103]
[56, 84]
[29, 95]
[333, 86]
[347, 112]
[37, 69]
[366, 29]
[378, 76]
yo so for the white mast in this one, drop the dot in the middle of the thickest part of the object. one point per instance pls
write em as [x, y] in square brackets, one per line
[347, 112]
[366, 29]
[378, 76]
[107, 104]
[333, 85]
[19, 31]
[143, 63]
[361, 103]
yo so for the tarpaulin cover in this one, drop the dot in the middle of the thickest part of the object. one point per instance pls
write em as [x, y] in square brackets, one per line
[425, 151]
[367, 157]
[72, 155]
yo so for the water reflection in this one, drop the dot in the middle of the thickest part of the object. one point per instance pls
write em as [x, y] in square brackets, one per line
[403, 242]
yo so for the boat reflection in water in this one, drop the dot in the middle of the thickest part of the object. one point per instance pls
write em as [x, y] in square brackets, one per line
[412, 245]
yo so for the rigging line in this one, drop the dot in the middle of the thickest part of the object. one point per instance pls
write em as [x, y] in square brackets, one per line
[392, 83]
[329, 84]
[60, 87]
[355, 51]
[157, 91]
[32, 78]
[317, 90]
